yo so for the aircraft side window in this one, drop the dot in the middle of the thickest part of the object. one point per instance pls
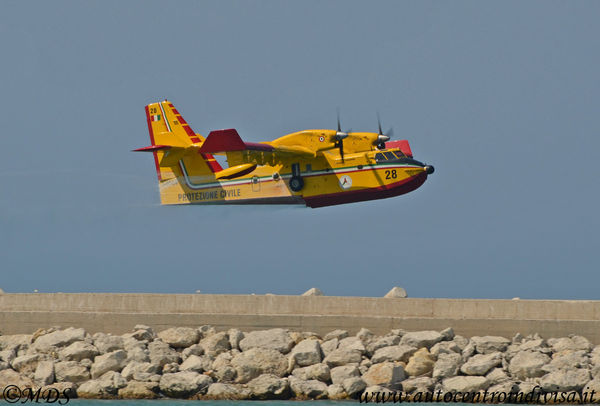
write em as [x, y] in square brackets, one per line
[389, 155]
[308, 168]
[399, 154]
[380, 157]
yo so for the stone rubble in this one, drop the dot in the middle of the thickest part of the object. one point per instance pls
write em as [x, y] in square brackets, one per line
[203, 363]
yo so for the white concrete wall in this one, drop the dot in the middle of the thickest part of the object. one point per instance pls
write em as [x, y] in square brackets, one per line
[118, 313]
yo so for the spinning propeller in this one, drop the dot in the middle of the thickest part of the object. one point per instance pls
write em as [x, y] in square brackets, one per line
[382, 138]
[340, 135]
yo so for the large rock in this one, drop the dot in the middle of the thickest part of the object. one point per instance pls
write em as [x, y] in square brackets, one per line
[339, 374]
[528, 364]
[565, 380]
[327, 347]
[197, 364]
[106, 386]
[342, 356]
[480, 364]
[161, 353]
[445, 347]
[222, 360]
[568, 359]
[195, 349]
[420, 339]
[396, 293]
[298, 336]
[139, 370]
[77, 351]
[489, 344]
[352, 343]
[138, 354]
[139, 390]
[235, 336]
[269, 386]
[338, 334]
[320, 372]
[15, 342]
[308, 389]
[60, 338]
[465, 384]
[393, 353]
[447, 334]
[306, 352]
[496, 376]
[534, 345]
[7, 355]
[26, 364]
[385, 374]
[257, 361]
[113, 361]
[61, 388]
[216, 344]
[446, 366]
[227, 391]
[336, 392]
[420, 384]
[222, 368]
[505, 387]
[105, 343]
[44, 373]
[313, 292]
[354, 386]
[70, 371]
[420, 364]
[275, 339]
[385, 341]
[468, 351]
[593, 385]
[365, 335]
[9, 377]
[573, 343]
[143, 333]
[180, 337]
[184, 384]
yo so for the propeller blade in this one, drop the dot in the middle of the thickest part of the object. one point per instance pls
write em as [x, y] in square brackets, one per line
[390, 132]
[379, 124]
[342, 149]
[339, 127]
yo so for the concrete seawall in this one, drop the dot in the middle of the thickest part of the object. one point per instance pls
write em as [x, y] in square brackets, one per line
[118, 313]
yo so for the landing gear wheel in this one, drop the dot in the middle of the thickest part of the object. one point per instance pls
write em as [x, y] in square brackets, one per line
[296, 183]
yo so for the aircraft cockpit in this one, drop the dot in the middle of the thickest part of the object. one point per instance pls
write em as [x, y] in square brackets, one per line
[389, 156]
[397, 157]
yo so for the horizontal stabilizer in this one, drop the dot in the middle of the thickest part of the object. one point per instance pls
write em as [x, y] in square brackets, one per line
[152, 148]
[229, 140]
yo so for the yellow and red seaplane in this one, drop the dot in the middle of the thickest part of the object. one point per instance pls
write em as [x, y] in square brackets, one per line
[312, 167]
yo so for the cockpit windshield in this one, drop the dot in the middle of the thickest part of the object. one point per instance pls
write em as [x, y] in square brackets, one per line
[388, 156]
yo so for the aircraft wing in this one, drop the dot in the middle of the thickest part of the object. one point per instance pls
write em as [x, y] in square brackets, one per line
[229, 140]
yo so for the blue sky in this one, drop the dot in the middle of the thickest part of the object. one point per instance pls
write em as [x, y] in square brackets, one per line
[502, 97]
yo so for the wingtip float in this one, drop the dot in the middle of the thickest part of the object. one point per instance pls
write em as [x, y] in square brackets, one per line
[312, 167]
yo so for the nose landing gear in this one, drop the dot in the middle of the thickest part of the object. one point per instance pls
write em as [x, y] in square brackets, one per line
[296, 181]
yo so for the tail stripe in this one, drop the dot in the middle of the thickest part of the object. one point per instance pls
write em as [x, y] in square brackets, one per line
[165, 116]
[152, 141]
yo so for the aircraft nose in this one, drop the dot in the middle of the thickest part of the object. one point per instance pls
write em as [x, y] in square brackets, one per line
[429, 169]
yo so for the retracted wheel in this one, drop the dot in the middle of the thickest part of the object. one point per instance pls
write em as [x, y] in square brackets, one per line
[296, 183]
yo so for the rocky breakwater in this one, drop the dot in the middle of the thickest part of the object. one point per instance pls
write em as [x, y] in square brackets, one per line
[201, 363]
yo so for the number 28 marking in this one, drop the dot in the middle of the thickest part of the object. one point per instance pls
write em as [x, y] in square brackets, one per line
[391, 174]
